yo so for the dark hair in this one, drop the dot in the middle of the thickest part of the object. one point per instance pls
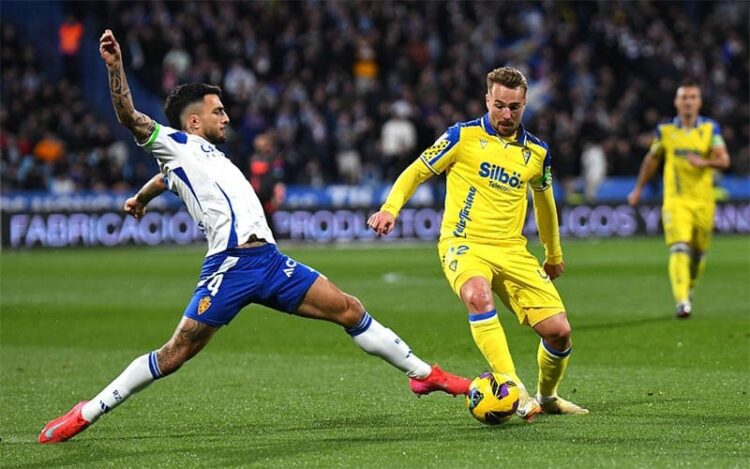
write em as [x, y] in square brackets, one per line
[183, 96]
[689, 83]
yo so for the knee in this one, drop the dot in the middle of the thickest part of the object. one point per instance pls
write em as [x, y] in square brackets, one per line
[476, 297]
[477, 300]
[351, 312]
[559, 336]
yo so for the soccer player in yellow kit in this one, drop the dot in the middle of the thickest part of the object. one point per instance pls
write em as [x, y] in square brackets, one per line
[691, 147]
[490, 163]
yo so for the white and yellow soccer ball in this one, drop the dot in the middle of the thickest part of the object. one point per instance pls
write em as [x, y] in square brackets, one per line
[492, 398]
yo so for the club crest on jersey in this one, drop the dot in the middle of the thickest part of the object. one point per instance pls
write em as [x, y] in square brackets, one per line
[483, 143]
[204, 304]
[499, 178]
[526, 155]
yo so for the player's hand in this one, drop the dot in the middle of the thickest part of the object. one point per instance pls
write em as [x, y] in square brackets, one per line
[109, 49]
[134, 208]
[381, 222]
[634, 197]
[696, 160]
[554, 270]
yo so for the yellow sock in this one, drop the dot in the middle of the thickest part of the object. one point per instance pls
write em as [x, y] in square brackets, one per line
[697, 266]
[679, 271]
[552, 364]
[490, 339]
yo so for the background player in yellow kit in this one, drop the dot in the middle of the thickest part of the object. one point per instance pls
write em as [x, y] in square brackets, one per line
[490, 162]
[691, 147]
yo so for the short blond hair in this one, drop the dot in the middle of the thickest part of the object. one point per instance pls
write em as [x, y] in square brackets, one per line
[509, 77]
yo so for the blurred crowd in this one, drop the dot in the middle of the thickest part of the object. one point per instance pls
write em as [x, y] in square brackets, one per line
[344, 91]
[50, 140]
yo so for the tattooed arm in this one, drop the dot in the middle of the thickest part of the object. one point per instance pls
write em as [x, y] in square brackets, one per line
[138, 123]
[136, 205]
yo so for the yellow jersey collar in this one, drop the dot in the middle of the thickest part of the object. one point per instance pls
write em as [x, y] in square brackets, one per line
[521, 134]
[698, 121]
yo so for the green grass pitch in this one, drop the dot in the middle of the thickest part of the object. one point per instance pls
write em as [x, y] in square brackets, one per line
[279, 391]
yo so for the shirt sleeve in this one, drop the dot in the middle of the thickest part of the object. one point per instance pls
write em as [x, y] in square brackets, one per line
[657, 145]
[443, 152]
[404, 187]
[716, 139]
[544, 180]
[545, 212]
[165, 143]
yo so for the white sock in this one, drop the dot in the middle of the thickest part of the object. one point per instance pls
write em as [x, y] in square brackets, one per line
[375, 339]
[140, 373]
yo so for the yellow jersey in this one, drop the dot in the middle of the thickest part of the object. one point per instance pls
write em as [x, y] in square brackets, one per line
[488, 177]
[684, 182]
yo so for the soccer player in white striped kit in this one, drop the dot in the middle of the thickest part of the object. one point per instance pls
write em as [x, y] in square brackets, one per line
[242, 266]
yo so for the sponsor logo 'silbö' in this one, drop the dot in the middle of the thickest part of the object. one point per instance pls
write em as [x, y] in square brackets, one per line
[497, 174]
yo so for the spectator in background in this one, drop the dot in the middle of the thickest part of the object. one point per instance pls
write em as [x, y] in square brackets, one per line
[49, 149]
[176, 62]
[348, 158]
[50, 139]
[593, 158]
[365, 64]
[267, 174]
[70, 34]
[239, 81]
[398, 139]
[593, 168]
[320, 59]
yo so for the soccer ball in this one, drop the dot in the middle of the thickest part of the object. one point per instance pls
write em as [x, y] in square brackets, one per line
[492, 398]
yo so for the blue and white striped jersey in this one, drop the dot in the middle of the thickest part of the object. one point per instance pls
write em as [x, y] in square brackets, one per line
[217, 195]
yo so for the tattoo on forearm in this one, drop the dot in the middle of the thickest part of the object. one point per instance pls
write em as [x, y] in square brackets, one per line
[148, 192]
[120, 93]
[140, 124]
[155, 186]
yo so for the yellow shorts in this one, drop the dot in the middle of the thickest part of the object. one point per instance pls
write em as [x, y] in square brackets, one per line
[514, 274]
[691, 223]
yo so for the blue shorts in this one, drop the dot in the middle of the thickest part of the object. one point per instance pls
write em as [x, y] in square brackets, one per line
[235, 278]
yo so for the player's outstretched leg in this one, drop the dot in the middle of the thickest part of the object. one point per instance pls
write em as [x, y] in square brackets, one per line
[325, 301]
[140, 373]
[65, 427]
[439, 380]
[375, 339]
[189, 338]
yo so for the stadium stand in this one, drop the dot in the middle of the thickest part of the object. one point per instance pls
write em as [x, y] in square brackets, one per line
[326, 77]
[50, 139]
